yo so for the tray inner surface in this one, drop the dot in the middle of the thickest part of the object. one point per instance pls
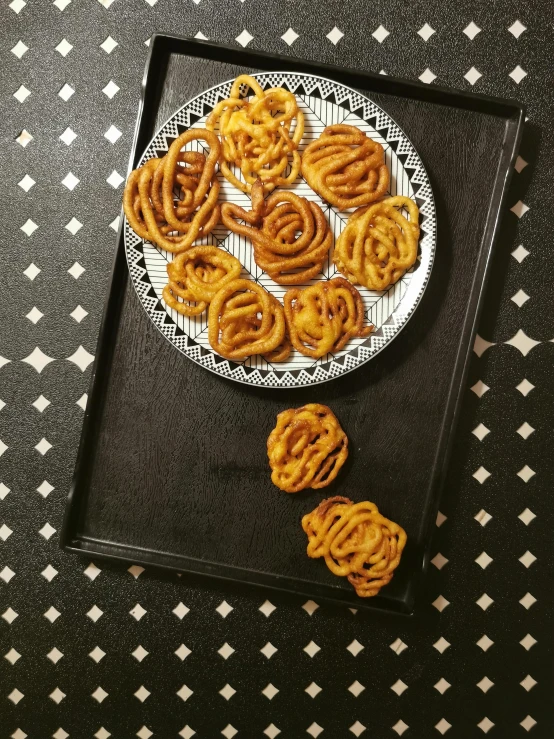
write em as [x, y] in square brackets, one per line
[179, 464]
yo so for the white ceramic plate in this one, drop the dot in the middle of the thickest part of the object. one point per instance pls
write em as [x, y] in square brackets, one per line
[323, 102]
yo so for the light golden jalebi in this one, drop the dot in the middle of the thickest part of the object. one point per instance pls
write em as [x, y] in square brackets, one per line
[323, 317]
[356, 542]
[153, 210]
[290, 235]
[244, 320]
[258, 135]
[307, 448]
[379, 243]
[346, 167]
[196, 276]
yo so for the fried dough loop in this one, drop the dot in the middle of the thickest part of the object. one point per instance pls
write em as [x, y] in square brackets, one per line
[156, 213]
[257, 135]
[307, 448]
[346, 167]
[244, 320]
[290, 235]
[323, 317]
[356, 541]
[196, 276]
[379, 243]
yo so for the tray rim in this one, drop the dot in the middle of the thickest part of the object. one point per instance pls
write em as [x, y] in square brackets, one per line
[160, 50]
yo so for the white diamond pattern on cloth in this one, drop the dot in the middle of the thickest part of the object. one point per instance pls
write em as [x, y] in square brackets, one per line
[36, 631]
[386, 310]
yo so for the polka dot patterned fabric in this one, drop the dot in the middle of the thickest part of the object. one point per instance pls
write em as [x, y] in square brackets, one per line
[97, 650]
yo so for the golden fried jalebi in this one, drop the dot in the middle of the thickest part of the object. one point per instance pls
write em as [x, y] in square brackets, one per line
[356, 542]
[244, 320]
[321, 318]
[196, 276]
[290, 235]
[379, 243]
[256, 135]
[152, 209]
[346, 167]
[307, 448]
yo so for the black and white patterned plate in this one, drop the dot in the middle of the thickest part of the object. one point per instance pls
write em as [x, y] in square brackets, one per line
[323, 102]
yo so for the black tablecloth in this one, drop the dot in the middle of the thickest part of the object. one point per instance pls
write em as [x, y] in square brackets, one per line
[93, 650]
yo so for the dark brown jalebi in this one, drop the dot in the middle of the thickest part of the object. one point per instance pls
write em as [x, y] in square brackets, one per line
[323, 317]
[244, 320]
[356, 542]
[346, 167]
[151, 207]
[196, 276]
[257, 136]
[290, 235]
[379, 243]
[307, 448]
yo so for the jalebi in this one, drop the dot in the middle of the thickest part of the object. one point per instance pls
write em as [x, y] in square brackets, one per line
[379, 243]
[307, 448]
[156, 213]
[356, 542]
[346, 167]
[323, 317]
[258, 135]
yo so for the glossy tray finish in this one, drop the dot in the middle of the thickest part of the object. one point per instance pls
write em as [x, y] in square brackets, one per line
[172, 468]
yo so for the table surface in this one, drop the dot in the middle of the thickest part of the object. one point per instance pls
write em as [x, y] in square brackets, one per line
[97, 650]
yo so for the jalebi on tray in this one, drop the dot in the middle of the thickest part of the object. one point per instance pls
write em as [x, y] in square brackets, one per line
[356, 542]
[307, 448]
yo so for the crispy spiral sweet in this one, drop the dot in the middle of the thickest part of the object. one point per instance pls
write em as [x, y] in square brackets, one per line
[149, 202]
[272, 226]
[356, 542]
[307, 448]
[379, 243]
[257, 136]
[321, 318]
[196, 276]
[346, 167]
[244, 320]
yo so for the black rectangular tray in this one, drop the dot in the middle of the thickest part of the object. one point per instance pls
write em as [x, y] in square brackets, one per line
[172, 468]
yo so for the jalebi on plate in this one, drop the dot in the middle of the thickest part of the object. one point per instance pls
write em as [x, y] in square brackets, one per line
[322, 318]
[290, 235]
[153, 210]
[379, 243]
[260, 135]
[196, 276]
[346, 167]
[245, 320]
